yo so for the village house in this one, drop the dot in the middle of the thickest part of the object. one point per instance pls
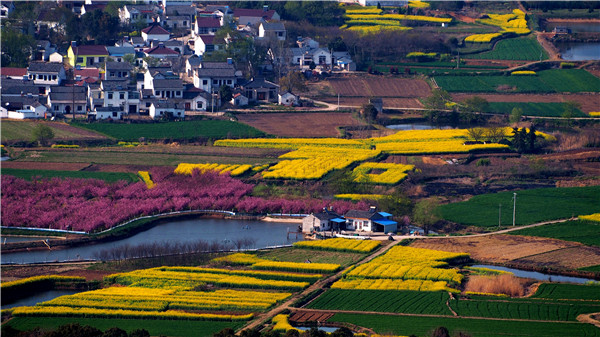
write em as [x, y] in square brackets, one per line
[370, 221]
[161, 52]
[117, 70]
[117, 93]
[176, 22]
[238, 99]
[206, 44]
[252, 17]
[211, 76]
[195, 99]
[86, 75]
[62, 99]
[46, 73]
[323, 221]
[206, 26]
[272, 31]
[118, 53]
[155, 32]
[88, 55]
[261, 90]
[88, 8]
[129, 14]
[107, 112]
[163, 83]
[43, 50]
[166, 109]
[287, 99]
[343, 61]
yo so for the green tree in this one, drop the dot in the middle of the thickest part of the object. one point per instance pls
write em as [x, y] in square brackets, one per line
[17, 48]
[441, 332]
[368, 113]
[129, 58]
[437, 100]
[515, 115]
[75, 330]
[227, 332]
[569, 111]
[426, 213]
[151, 61]
[476, 104]
[42, 134]
[342, 332]
[396, 203]
[294, 80]
[225, 93]
[519, 142]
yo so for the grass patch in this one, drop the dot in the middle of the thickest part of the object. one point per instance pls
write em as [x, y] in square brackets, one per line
[532, 109]
[292, 254]
[547, 81]
[134, 157]
[215, 129]
[585, 232]
[424, 326]
[564, 291]
[155, 327]
[595, 269]
[23, 130]
[411, 302]
[106, 176]
[534, 205]
[520, 48]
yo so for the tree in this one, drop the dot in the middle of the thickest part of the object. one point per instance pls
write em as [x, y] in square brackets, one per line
[476, 133]
[530, 139]
[396, 203]
[17, 48]
[476, 104]
[114, 332]
[519, 141]
[227, 332]
[426, 213]
[368, 113]
[437, 100]
[151, 61]
[441, 332]
[42, 134]
[515, 115]
[294, 80]
[569, 111]
[225, 93]
[342, 332]
[139, 333]
[75, 330]
[495, 134]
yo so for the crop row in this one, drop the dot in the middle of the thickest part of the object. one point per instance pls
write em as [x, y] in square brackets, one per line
[395, 271]
[392, 174]
[37, 281]
[155, 278]
[314, 162]
[370, 30]
[148, 299]
[390, 284]
[410, 302]
[515, 23]
[265, 275]
[357, 197]
[239, 259]
[59, 311]
[409, 256]
[232, 169]
[399, 17]
[290, 143]
[340, 244]
[588, 292]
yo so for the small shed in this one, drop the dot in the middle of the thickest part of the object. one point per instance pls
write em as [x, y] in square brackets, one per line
[287, 98]
[107, 112]
[239, 99]
[166, 108]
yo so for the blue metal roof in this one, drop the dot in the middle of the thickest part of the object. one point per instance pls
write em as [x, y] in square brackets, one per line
[384, 214]
[338, 220]
[385, 222]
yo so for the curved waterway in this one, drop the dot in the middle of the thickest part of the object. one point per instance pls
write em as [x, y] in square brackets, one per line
[262, 233]
[537, 275]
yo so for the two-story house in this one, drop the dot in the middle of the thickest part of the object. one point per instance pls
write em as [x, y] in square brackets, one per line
[129, 14]
[370, 221]
[161, 52]
[117, 70]
[272, 31]
[252, 17]
[118, 53]
[206, 26]
[118, 93]
[211, 76]
[88, 55]
[206, 44]
[46, 74]
[163, 83]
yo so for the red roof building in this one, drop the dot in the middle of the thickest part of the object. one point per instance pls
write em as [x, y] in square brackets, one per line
[16, 73]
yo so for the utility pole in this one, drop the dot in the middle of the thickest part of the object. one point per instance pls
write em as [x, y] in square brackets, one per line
[514, 207]
[338, 102]
[499, 214]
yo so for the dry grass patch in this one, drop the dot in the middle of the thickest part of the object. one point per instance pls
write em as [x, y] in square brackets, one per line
[499, 284]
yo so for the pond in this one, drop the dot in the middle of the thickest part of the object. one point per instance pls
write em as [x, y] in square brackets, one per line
[262, 234]
[537, 275]
[40, 297]
[321, 328]
[579, 51]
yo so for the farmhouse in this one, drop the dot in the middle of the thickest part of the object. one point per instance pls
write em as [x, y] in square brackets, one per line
[370, 221]
[261, 90]
[287, 99]
[61, 99]
[272, 31]
[89, 55]
[254, 16]
[166, 109]
[323, 221]
[155, 33]
[46, 73]
[206, 26]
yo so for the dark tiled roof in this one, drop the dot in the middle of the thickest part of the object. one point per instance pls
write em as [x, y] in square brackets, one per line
[362, 214]
[61, 88]
[118, 66]
[273, 26]
[68, 96]
[194, 60]
[217, 65]
[165, 105]
[113, 85]
[91, 50]
[155, 30]
[215, 72]
[259, 13]
[326, 215]
[46, 67]
[120, 50]
[168, 84]
[207, 22]
[160, 50]
[260, 83]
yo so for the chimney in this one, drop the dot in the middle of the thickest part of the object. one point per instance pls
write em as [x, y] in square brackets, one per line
[265, 8]
[372, 209]
[73, 44]
[229, 60]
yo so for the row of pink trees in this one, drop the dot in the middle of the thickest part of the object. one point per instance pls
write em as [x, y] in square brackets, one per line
[90, 205]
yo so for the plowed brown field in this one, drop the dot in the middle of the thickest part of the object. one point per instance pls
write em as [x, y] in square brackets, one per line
[300, 124]
[588, 102]
[379, 86]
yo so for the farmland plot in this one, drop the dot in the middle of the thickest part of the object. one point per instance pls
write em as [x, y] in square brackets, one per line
[379, 87]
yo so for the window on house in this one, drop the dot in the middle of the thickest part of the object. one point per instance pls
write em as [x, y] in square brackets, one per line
[229, 82]
[205, 82]
[121, 95]
[115, 114]
[80, 60]
[101, 59]
[178, 93]
[110, 95]
[215, 82]
[53, 77]
[199, 105]
[148, 105]
[112, 74]
[79, 108]
[157, 93]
